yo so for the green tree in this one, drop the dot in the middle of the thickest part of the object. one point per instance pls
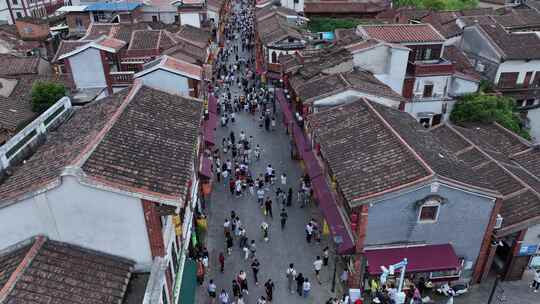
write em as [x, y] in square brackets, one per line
[45, 94]
[488, 108]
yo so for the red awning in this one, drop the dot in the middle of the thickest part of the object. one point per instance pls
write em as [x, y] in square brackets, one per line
[312, 165]
[287, 114]
[209, 127]
[212, 104]
[300, 139]
[206, 167]
[335, 221]
[425, 258]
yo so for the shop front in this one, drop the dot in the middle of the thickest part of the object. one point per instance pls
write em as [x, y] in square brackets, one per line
[427, 263]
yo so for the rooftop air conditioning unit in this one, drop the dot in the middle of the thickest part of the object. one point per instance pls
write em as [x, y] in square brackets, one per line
[498, 222]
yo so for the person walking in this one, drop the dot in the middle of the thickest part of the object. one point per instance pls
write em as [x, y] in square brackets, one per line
[252, 249]
[264, 228]
[260, 197]
[229, 243]
[221, 262]
[326, 255]
[309, 232]
[317, 265]
[242, 280]
[243, 237]
[299, 283]
[255, 268]
[290, 273]
[306, 287]
[289, 197]
[284, 179]
[235, 289]
[536, 281]
[212, 291]
[200, 271]
[269, 289]
[268, 208]
[224, 297]
[283, 215]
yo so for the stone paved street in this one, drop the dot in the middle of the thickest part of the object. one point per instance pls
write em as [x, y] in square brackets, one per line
[285, 246]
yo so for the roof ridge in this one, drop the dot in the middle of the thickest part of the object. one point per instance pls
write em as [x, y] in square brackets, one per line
[92, 145]
[21, 268]
[496, 162]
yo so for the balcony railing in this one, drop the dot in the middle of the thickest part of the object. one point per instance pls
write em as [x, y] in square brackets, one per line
[122, 78]
[419, 68]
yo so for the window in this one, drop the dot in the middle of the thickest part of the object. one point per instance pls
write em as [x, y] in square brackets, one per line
[508, 80]
[296, 1]
[448, 274]
[536, 80]
[427, 54]
[527, 79]
[19, 15]
[154, 19]
[429, 212]
[78, 21]
[15, 2]
[176, 19]
[428, 90]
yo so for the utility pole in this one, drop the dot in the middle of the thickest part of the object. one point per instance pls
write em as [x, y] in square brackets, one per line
[497, 279]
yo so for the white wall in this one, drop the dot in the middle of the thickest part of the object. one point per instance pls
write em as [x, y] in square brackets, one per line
[350, 96]
[440, 84]
[299, 7]
[520, 66]
[375, 60]
[165, 17]
[460, 86]
[414, 108]
[191, 19]
[534, 123]
[387, 64]
[166, 81]
[213, 15]
[87, 69]
[81, 215]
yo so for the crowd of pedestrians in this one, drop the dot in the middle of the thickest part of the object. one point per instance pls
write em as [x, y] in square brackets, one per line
[239, 92]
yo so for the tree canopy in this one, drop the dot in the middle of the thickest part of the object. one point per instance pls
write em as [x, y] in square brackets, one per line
[439, 5]
[45, 94]
[486, 108]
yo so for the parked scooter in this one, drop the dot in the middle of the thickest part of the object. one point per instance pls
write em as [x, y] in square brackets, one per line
[453, 291]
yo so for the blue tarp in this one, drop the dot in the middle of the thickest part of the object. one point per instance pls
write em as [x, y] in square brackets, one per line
[112, 6]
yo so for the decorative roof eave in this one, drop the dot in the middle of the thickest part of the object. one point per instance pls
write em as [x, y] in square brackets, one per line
[504, 231]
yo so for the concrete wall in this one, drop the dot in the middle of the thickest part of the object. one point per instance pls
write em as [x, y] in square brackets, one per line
[167, 81]
[480, 51]
[81, 215]
[352, 95]
[299, 6]
[462, 220]
[191, 19]
[533, 116]
[387, 64]
[375, 60]
[87, 69]
[440, 86]
[165, 15]
[460, 86]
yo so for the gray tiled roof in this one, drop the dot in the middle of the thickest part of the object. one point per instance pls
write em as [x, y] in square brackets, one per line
[56, 272]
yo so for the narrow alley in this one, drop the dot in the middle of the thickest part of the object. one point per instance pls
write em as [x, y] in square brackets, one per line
[284, 246]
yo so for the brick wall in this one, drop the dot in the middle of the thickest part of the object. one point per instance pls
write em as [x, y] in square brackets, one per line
[153, 227]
